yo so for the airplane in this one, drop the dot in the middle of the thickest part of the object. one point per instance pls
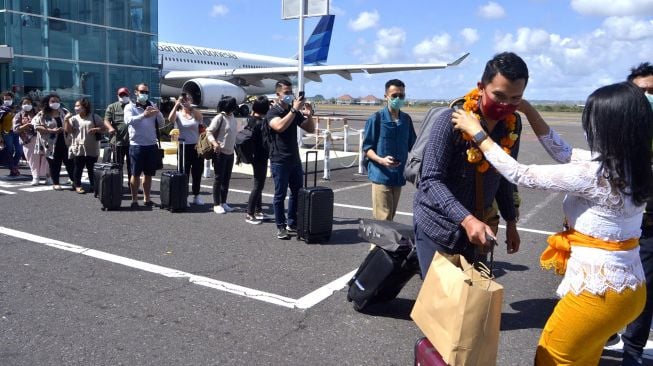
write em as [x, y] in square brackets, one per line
[208, 74]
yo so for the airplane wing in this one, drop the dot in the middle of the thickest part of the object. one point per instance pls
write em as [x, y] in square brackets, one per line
[244, 77]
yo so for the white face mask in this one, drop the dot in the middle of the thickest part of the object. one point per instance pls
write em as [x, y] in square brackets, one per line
[78, 109]
[55, 105]
[27, 107]
[7, 102]
[123, 100]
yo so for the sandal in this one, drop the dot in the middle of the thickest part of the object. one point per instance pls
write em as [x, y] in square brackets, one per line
[56, 187]
[80, 190]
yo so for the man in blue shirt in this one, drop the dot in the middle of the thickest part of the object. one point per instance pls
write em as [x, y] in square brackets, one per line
[453, 204]
[389, 135]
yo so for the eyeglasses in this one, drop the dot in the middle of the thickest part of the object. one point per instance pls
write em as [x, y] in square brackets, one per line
[289, 92]
[123, 95]
[144, 91]
[398, 95]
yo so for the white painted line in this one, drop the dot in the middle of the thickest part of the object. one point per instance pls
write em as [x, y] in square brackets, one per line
[6, 192]
[317, 296]
[14, 185]
[37, 189]
[352, 187]
[524, 219]
[305, 302]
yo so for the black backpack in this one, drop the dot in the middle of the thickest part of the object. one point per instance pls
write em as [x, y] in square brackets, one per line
[413, 168]
[245, 145]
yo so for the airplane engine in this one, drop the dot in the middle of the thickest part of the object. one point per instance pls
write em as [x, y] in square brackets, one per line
[207, 93]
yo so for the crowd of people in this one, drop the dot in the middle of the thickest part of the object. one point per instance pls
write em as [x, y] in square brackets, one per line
[469, 176]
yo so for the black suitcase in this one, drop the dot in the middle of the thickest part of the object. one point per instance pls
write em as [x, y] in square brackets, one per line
[108, 162]
[109, 187]
[388, 266]
[314, 209]
[174, 186]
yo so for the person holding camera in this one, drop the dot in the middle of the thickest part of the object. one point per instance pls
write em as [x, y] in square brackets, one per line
[221, 133]
[52, 139]
[284, 116]
[143, 119]
[25, 130]
[85, 129]
[389, 135]
[188, 120]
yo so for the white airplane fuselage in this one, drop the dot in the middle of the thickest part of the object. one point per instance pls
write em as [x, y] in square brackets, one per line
[176, 57]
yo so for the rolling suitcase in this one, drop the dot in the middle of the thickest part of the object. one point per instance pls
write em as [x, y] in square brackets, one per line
[108, 162]
[381, 276]
[426, 354]
[174, 185]
[107, 184]
[314, 209]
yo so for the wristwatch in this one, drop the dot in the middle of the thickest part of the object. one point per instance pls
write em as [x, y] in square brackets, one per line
[479, 137]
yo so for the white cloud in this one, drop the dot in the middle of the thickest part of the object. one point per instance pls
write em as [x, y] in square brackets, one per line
[613, 7]
[433, 47]
[389, 44]
[470, 35]
[491, 11]
[572, 67]
[219, 10]
[364, 21]
[628, 28]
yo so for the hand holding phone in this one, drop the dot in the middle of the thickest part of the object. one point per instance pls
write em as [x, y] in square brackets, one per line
[301, 95]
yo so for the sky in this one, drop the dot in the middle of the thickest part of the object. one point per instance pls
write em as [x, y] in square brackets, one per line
[571, 47]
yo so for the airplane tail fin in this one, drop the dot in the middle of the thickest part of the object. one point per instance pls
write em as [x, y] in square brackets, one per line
[316, 49]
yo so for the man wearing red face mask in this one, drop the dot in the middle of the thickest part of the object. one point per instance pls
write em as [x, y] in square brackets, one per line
[453, 206]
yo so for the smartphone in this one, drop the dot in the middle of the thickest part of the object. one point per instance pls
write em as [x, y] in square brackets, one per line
[301, 94]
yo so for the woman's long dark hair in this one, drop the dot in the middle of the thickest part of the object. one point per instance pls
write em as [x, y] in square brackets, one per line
[618, 121]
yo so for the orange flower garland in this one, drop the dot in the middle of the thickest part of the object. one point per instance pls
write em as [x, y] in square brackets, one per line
[474, 154]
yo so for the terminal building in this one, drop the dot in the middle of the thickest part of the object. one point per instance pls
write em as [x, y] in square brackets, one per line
[78, 48]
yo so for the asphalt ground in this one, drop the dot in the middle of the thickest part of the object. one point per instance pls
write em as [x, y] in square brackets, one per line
[81, 286]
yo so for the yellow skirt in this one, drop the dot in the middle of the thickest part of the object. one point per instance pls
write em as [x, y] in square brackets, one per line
[579, 326]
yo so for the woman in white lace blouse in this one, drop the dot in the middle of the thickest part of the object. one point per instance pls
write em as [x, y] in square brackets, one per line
[606, 190]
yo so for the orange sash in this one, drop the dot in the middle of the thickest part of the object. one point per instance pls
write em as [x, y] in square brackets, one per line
[556, 255]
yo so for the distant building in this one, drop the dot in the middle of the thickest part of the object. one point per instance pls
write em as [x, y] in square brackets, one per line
[345, 99]
[370, 100]
[78, 48]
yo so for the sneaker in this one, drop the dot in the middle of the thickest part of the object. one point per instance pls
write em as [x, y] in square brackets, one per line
[227, 207]
[252, 220]
[48, 181]
[614, 343]
[219, 209]
[35, 181]
[291, 230]
[197, 200]
[134, 204]
[283, 234]
[262, 216]
[149, 204]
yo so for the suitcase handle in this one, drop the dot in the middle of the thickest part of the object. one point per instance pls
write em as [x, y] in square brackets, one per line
[182, 166]
[314, 170]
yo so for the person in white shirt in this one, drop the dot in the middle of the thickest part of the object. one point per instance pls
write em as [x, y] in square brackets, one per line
[606, 190]
[142, 118]
[188, 121]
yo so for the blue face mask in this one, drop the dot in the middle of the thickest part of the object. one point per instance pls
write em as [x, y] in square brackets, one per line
[142, 98]
[288, 99]
[397, 103]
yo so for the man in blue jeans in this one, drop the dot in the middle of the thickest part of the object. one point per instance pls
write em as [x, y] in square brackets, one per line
[284, 117]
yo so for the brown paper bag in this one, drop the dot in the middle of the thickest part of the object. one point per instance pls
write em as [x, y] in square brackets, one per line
[459, 311]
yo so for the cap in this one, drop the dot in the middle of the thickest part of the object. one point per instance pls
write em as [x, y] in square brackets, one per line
[123, 90]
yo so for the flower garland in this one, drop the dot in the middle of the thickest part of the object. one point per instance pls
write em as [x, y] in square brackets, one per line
[474, 154]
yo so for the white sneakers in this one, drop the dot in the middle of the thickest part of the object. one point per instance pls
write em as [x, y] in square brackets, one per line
[197, 200]
[221, 209]
[35, 181]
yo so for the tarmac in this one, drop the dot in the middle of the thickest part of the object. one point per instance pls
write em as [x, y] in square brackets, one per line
[145, 286]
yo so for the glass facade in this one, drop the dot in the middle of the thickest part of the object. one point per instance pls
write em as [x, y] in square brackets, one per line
[79, 48]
